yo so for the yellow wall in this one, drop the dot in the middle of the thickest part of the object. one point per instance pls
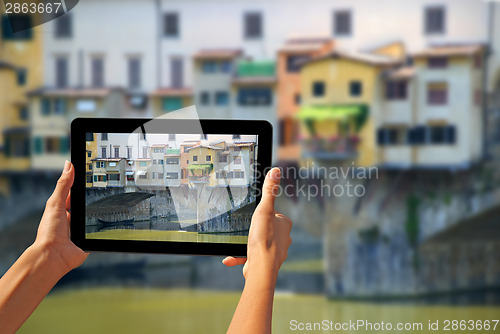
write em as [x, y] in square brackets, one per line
[92, 147]
[337, 75]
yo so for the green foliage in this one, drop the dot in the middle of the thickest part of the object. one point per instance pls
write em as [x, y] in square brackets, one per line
[361, 117]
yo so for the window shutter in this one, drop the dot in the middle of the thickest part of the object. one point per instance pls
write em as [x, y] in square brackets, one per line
[7, 146]
[45, 106]
[381, 137]
[105, 178]
[451, 134]
[95, 178]
[63, 145]
[38, 145]
[27, 147]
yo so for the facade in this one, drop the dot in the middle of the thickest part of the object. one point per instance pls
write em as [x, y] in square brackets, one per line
[288, 64]
[109, 172]
[172, 167]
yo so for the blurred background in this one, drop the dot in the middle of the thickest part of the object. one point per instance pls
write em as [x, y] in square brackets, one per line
[409, 90]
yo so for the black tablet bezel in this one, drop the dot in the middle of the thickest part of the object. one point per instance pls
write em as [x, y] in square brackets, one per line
[80, 126]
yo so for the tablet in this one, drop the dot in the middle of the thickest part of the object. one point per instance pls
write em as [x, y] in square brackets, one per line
[176, 186]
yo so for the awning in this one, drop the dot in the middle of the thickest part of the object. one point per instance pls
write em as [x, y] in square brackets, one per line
[129, 173]
[200, 166]
[320, 113]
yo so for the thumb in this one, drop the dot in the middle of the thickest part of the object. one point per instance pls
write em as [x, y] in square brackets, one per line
[64, 183]
[270, 189]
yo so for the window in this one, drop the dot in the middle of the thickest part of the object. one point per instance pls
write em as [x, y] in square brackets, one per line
[221, 98]
[226, 66]
[318, 88]
[103, 152]
[208, 158]
[100, 164]
[85, 105]
[143, 164]
[61, 75]
[90, 167]
[172, 161]
[435, 19]
[89, 136]
[342, 23]
[172, 176]
[161, 162]
[255, 96]
[154, 176]
[130, 176]
[21, 76]
[129, 152]
[23, 113]
[236, 136]
[100, 178]
[51, 145]
[63, 25]
[437, 93]
[16, 27]
[158, 150]
[355, 88]
[134, 73]
[45, 106]
[114, 177]
[143, 176]
[223, 158]
[176, 72]
[89, 178]
[97, 72]
[195, 158]
[237, 149]
[239, 175]
[104, 136]
[237, 160]
[392, 136]
[144, 152]
[172, 103]
[171, 24]
[112, 164]
[204, 98]
[293, 62]
[209, 66]
[221, 175]
[89, 154]
[253, 25]
[437, 62]
[396, 90]
[59, 106]
[230, 175]
[117, 152]
[171, 136]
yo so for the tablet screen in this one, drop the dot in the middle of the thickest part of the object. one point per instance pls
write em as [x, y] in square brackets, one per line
[170, 187]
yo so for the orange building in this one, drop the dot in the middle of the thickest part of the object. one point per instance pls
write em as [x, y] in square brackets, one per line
[290, 57]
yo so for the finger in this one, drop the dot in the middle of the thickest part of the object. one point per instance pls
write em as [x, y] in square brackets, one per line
[68, 202]
[270, 189]
[231, 261]
[64, 185]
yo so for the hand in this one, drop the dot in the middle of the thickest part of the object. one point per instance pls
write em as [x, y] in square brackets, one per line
[269, 234]
[53, 231]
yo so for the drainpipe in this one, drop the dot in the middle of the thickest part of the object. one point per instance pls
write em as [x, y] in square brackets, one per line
[485, 95]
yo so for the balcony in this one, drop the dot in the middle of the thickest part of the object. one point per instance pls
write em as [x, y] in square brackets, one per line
[335, 148]
[199, 178]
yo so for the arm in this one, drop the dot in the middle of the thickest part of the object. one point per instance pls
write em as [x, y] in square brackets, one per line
[51, 256]
[268, 242]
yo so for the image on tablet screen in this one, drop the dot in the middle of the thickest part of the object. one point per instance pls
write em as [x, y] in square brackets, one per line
[170, 187]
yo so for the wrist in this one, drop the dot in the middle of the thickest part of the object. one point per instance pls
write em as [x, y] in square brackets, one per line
[263, 274]
[50, 255]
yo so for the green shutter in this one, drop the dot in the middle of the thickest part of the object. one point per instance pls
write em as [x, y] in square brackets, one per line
[7, 146]
[95, 178]
[45, 106]
[105, 178]
[38, 145]
[64, 145]
[172, 103]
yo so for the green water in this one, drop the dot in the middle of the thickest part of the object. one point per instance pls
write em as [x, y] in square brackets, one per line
[155, 235]
[134, 310]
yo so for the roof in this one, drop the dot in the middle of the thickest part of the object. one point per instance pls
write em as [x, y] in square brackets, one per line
[143, 159]
[242, 144]
[172, 151]
[158, 145]
[72, 92]
[189, 142]
[304, 44]
[108, 159]
[205, 146]
[218, 53]
[450, 50]
[405, 72]
[369, 58]
[256, 69]
[166, 92]
[254, 80]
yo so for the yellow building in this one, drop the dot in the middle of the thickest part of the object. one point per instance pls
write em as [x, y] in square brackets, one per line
[200, 164]
[338, 92]
[91, 148]
[20, 71]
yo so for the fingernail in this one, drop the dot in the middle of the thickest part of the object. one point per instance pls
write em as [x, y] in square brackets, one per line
[67, 166]
[275, 173]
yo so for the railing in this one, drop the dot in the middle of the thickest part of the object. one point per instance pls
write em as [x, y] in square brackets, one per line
[335, 148]
[199, 178]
